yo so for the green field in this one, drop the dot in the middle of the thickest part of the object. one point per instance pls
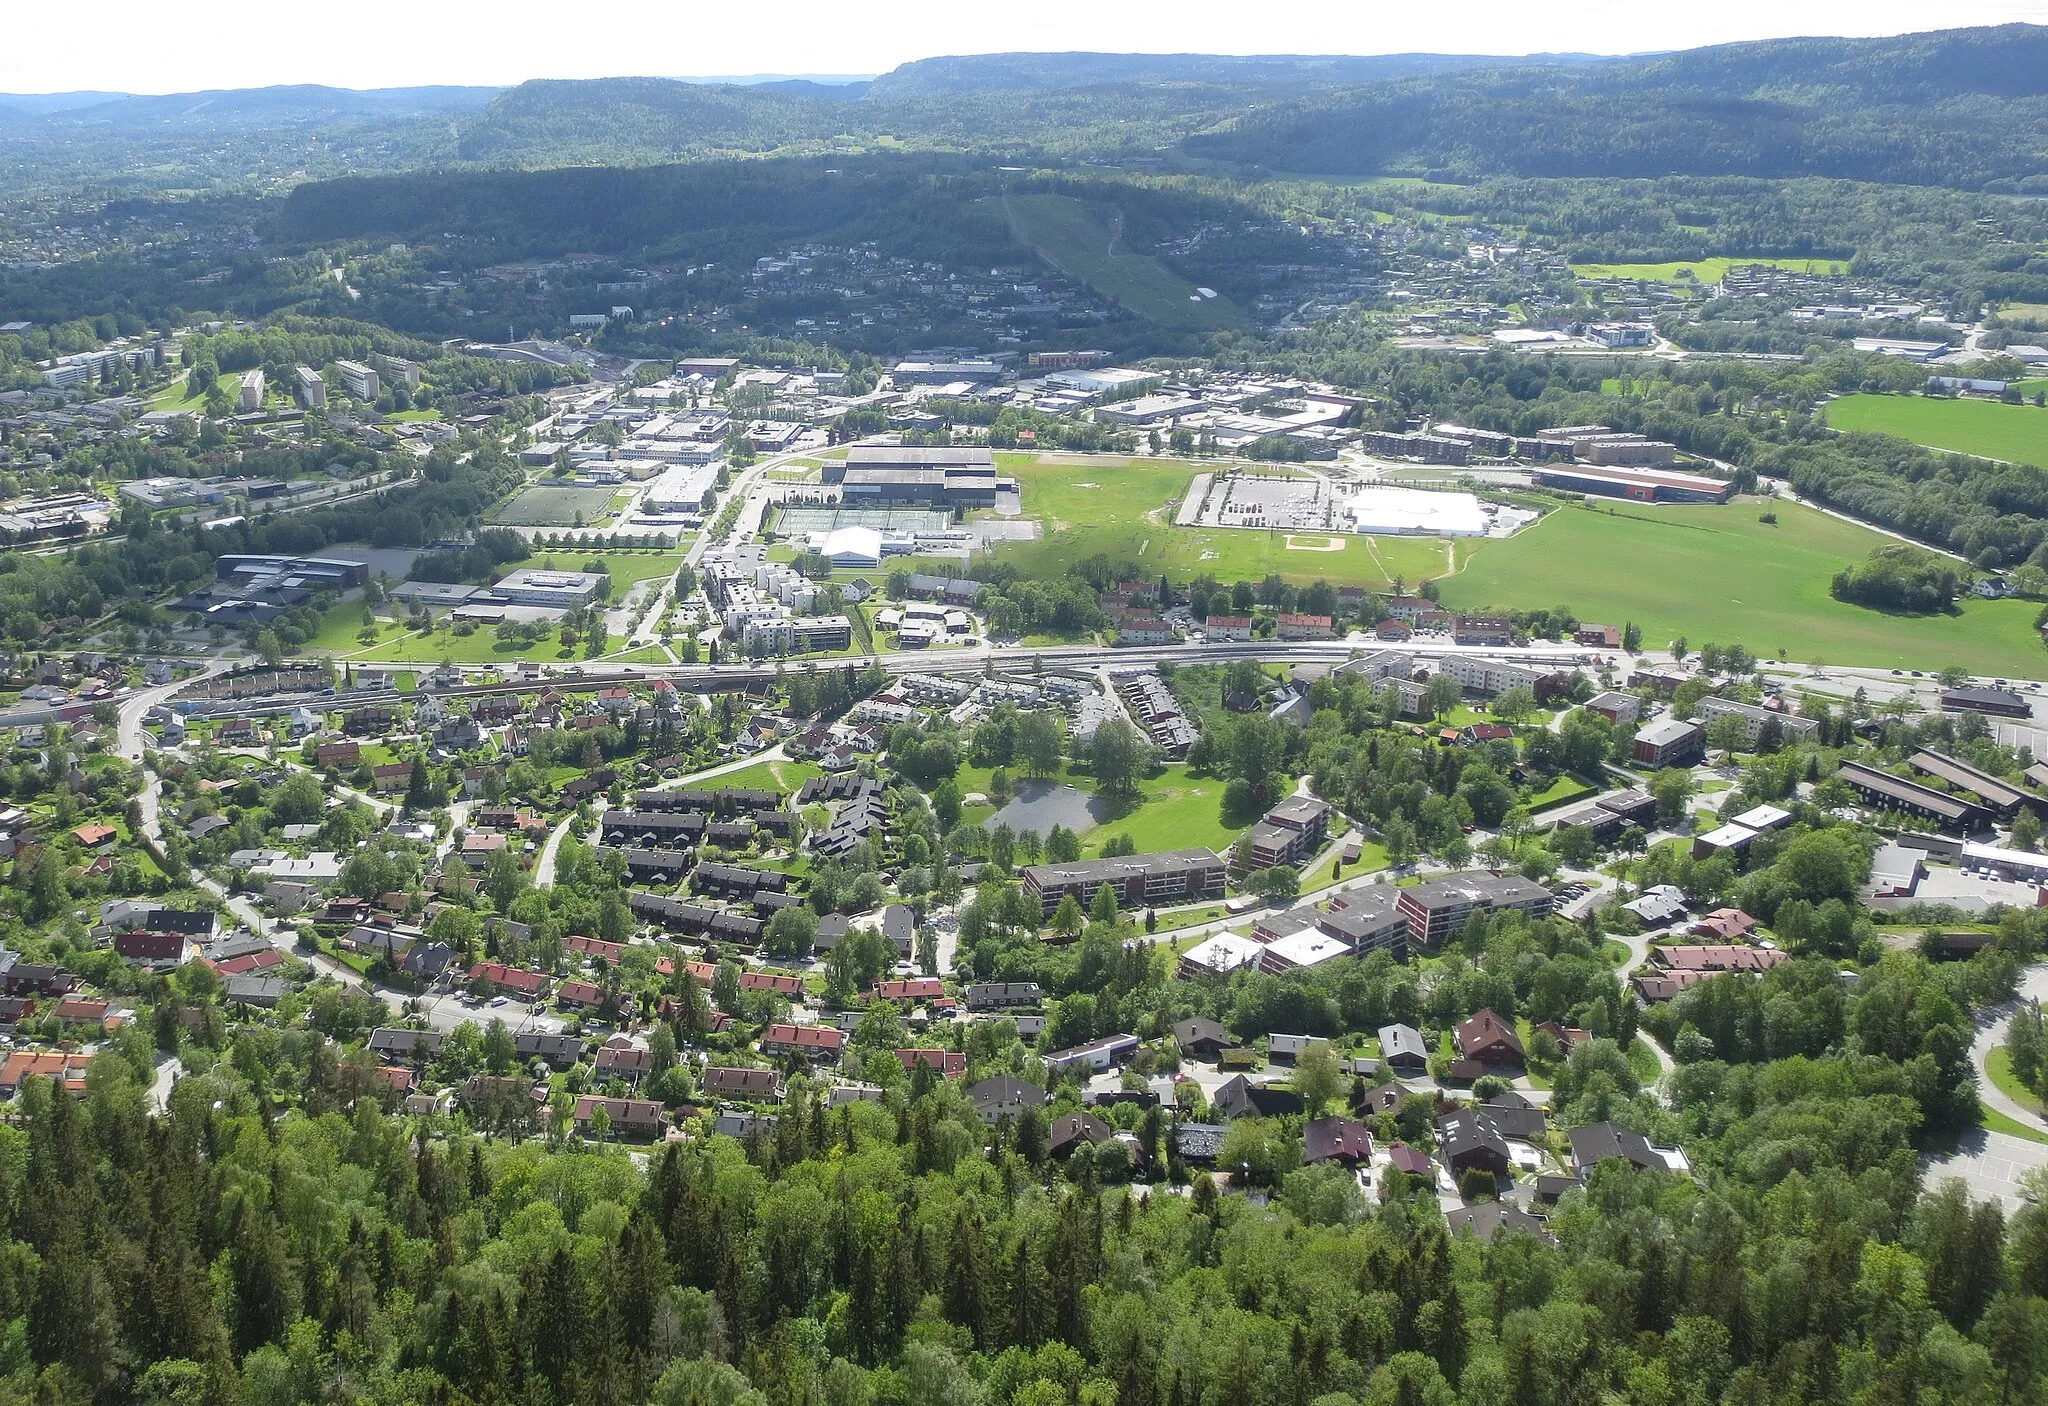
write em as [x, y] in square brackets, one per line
[768, 776]
[1122, 508]
[555, 507]
[1703, 270]
[1082, 241]
[176, 396]
[1715, 573]
[1984, 427]
[1179, 811]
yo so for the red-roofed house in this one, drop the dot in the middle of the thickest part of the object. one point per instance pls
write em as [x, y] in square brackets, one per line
[919, 988]
[1728, 924]
[810, 1041]
[516, 981]
[949, 1063]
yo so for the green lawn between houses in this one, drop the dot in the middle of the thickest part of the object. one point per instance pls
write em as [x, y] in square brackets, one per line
[1704, 271]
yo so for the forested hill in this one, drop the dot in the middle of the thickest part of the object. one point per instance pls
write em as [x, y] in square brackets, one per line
[1963, 108]
[979, 73]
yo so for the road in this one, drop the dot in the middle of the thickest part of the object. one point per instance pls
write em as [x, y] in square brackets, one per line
[168, 1070]
[1991, 1163]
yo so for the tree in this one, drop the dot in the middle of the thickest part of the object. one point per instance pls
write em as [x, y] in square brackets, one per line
[1118, 755]
[1727, 733]
[1040, 739]
[1441, 695]
[1318, 1076]
[946, 802]
[791, 933]
[1672, 788]
[2026, 830]
[1515, 704]
[1278, 884]
[1068, 919]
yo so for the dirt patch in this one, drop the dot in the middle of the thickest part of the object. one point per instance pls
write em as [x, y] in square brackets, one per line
[1314, 544]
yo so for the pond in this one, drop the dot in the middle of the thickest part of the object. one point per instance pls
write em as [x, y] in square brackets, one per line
[1040, 805]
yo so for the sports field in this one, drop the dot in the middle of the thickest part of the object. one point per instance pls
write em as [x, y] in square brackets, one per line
[1119, 507]
[1085, 242]
[1704, 270]
[555, 507]
[1716, 573]
[1987, 427]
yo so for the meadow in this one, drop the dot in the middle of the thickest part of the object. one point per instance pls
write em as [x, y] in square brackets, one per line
[1077, 240]
[1989, 428]
[1718, 573]
[1704, 271]
[1118, 507]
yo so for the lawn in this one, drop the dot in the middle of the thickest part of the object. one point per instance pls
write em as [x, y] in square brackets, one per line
[1716, 573]
[786, 776]
[1998, 1064]
[1178, 812]
[1565, 788]
[1120, 507]
[1372, 856]
[1703, 271]
[1996, 1122]
[178, 396]
[1985, 427]
[1080, 240]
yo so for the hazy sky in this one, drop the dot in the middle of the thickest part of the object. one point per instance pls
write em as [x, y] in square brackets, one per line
[153, 47]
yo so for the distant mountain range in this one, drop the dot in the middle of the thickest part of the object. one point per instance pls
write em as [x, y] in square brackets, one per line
[1965, 108]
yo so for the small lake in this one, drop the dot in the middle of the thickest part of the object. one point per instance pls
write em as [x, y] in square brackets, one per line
[1040, 805]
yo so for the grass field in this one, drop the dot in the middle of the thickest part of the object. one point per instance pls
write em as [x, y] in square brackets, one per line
[176, 395]
[1703, 270]
[1985, 427]
[767, 776]
[1081, 241]
[1118, 507]
[554, 507]
[1717, 573]
[1178, 812]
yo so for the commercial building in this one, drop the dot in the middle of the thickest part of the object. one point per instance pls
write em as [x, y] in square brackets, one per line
[1439, 908]
[318, 573]
[309, 388]
[361, 380]
[1637, 485]
[531, 585]
[1139, 880]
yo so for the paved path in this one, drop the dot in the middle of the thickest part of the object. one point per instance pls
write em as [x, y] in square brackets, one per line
[1991, 1028]
[1989, 1164]
[168, 1068]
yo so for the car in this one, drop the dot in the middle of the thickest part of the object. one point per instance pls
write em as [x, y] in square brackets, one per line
[1918, 675]
[1898, 673]
[500, 1000]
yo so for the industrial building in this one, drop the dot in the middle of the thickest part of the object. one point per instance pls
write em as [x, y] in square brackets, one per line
[893, 476]
[1636, 485]
[317, 572]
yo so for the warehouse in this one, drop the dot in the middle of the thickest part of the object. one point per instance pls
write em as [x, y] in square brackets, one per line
[1410, 512]
[1637, 485]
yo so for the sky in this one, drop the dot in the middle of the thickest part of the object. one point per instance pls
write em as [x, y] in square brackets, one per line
[147, 46]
